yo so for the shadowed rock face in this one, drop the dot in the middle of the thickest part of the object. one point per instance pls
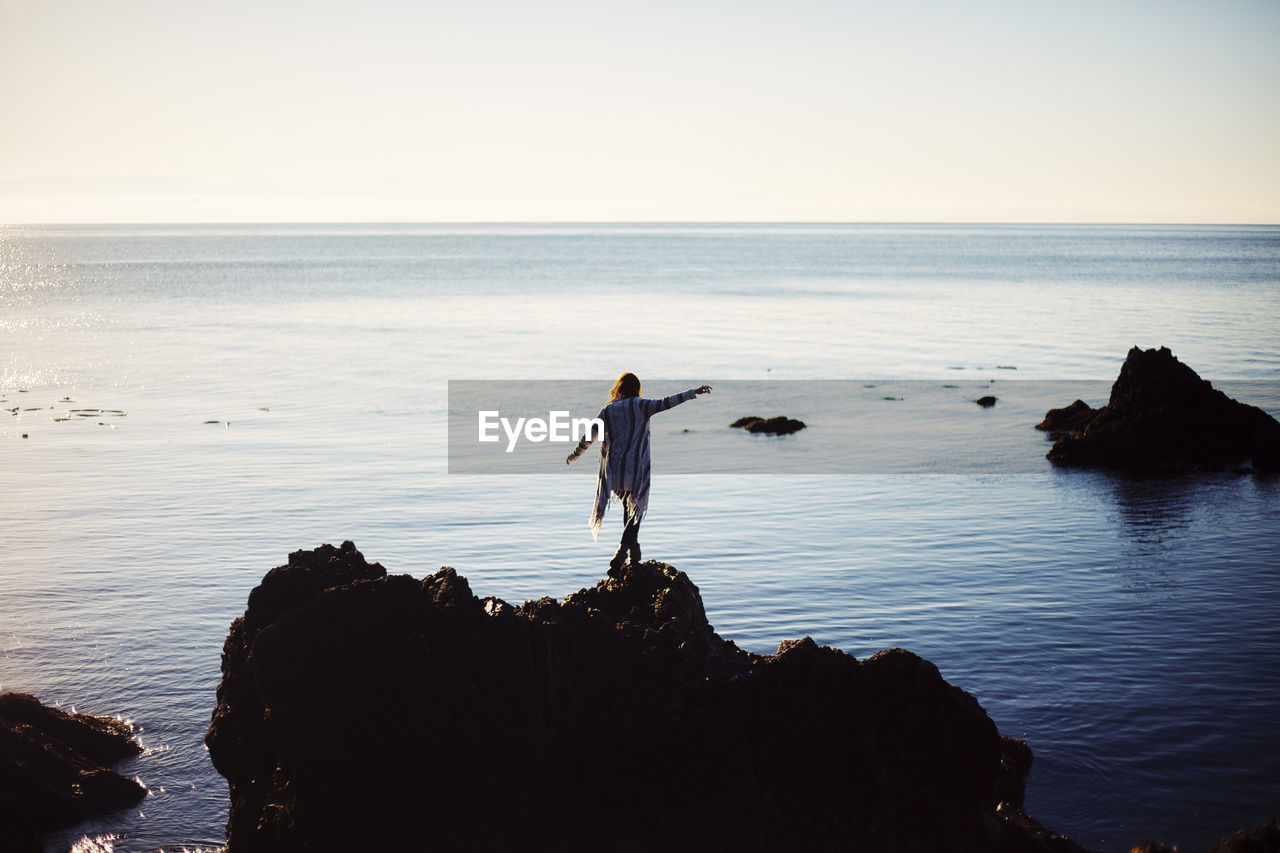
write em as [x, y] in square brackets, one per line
[1264, 838]
[364, 711]
[52, 769]
[1068, 420]
[1163, 418]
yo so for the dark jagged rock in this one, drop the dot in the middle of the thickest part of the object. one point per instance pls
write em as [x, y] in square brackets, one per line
[238, 735]
[1067, 420]
[1264, 838]
[364, 711]
[1163, 418]
[52, 769]
[986, 402]
[780, 425]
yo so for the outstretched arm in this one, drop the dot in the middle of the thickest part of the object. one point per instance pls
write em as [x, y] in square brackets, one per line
[585, 442]
[655, 406]
[581, 448]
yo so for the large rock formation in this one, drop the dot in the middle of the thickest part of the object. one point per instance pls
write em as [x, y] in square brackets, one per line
[359, 710]
[53, 770]
[1163, 418]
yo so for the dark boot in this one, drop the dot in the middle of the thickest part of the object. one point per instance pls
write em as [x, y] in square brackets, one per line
[615, 565]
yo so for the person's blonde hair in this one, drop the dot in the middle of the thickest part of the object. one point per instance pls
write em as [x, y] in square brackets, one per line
[628, 385]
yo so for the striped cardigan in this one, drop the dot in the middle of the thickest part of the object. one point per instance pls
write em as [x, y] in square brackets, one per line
[624, 453]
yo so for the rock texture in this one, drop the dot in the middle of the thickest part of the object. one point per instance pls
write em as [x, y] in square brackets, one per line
[1264, 838]
[53, 770]
[1068, 420]
[779, 425]
[359, 710]
[1163, 418]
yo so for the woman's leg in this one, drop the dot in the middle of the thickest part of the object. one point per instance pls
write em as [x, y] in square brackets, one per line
[630, 538]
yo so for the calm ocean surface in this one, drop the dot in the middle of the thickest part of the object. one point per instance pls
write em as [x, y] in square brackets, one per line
[1128, 630]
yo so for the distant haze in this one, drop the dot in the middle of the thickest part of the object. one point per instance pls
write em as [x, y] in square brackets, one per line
[701, 110]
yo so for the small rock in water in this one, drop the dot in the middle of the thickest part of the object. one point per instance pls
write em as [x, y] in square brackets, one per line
[1005, 367]
[780, 425]
[24, 435]
[986, 402]
[899, 399]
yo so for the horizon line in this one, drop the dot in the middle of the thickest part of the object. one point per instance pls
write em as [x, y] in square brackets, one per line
[633, 222]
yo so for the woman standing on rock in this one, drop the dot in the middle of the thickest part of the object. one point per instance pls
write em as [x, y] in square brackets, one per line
[624, 459]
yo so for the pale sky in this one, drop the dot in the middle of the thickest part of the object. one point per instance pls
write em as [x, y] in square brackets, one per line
[803, 110]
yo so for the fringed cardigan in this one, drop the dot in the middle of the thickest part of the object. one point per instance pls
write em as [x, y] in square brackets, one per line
[624, 453]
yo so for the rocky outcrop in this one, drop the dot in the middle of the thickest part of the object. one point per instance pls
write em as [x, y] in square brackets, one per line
[1163, 418]
[359, 710]
[1068, 420]
[987, 401]
[780, 425]
[53, 769]
[1264, 838]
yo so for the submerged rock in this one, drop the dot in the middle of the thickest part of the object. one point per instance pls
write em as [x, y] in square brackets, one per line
[986, 402]
[1163, 418]
[359, 710]
[780, 425]
[53, 770]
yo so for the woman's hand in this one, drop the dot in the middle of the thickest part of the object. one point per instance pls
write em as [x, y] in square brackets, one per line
[702, 389]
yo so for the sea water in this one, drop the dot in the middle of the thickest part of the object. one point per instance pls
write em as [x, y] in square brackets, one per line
[200, 401]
